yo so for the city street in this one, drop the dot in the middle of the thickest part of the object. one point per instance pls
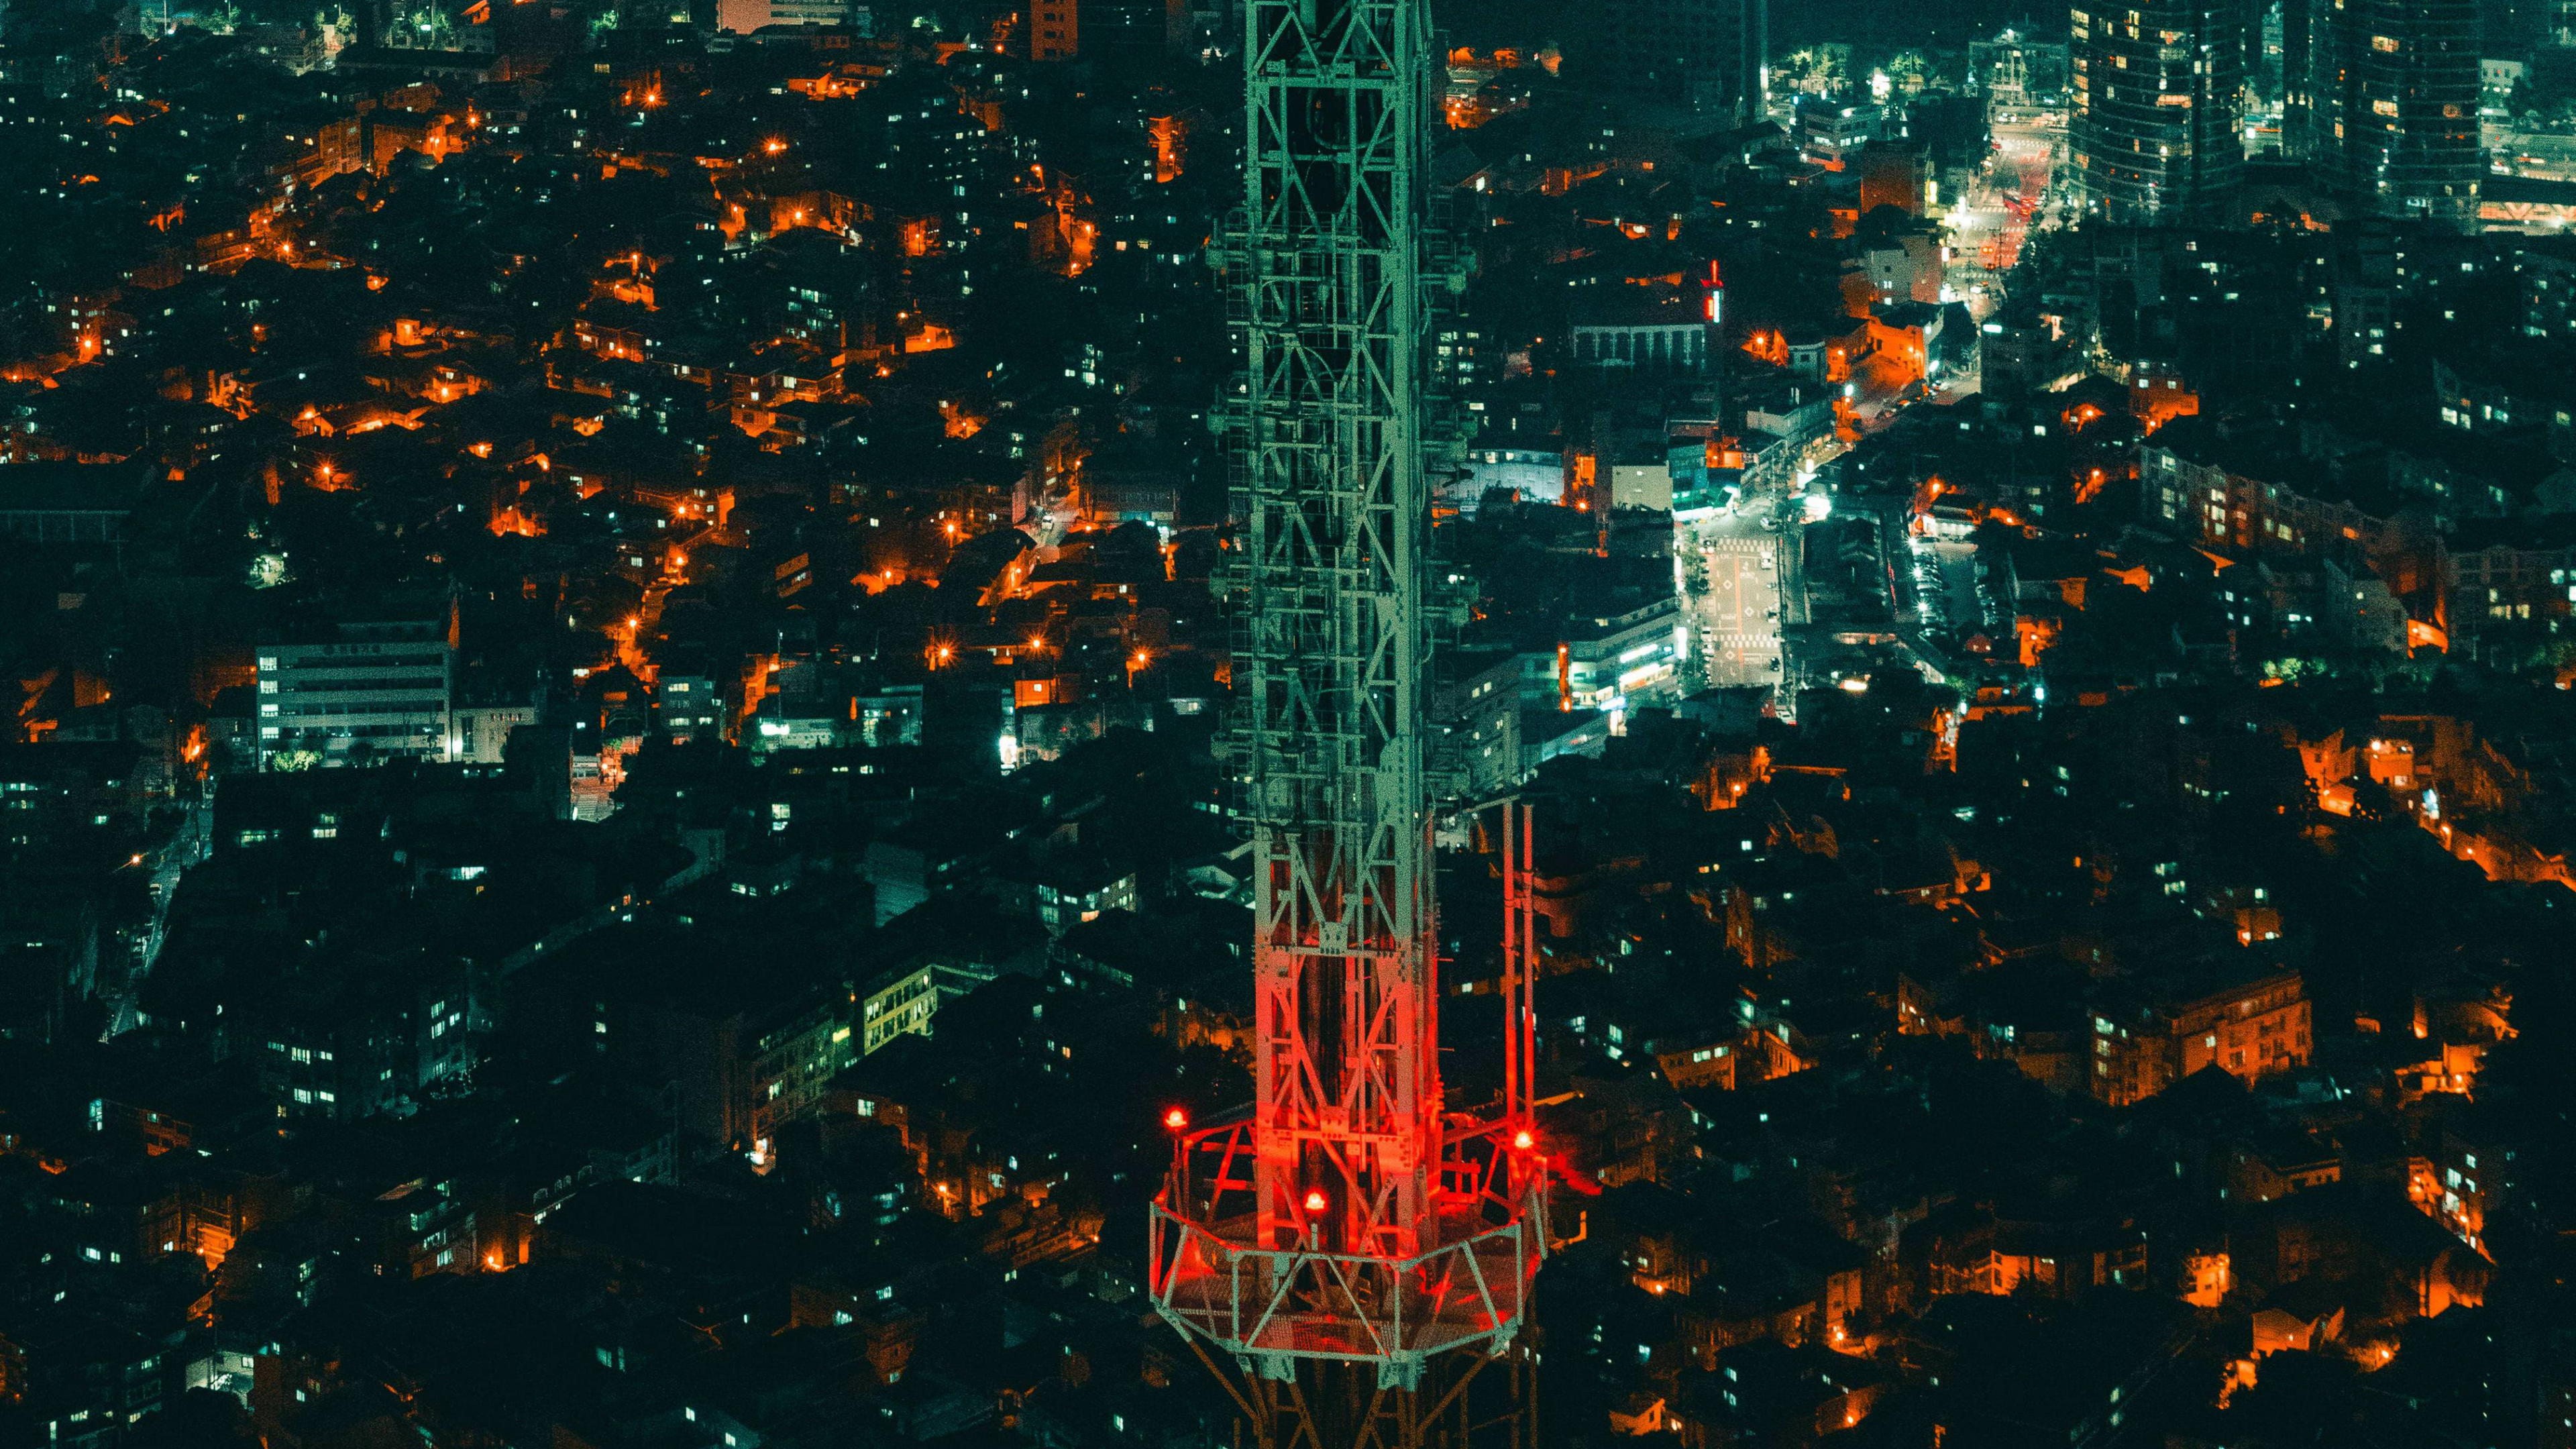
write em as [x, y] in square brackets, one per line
[190, 843]
[1991, 221]
[1731, 596]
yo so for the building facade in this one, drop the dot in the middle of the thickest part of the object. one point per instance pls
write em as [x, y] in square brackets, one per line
[746, 16]
[1102, 29]
[371, 691]
[2204, 501]
[899, 1002]
[2412, 141]
[1055, 30]
[2248, 1030]
[2158, 99]
[2383, 95]
[1648, 344]
[2016, 70]
[1625, 660]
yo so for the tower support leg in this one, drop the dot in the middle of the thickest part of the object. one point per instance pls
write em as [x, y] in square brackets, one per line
[1466, 1400]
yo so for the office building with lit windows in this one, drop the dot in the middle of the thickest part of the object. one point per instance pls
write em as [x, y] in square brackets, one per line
[366, 693]
[2158, 99]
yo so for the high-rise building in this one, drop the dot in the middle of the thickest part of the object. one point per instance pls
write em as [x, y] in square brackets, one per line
[2382, 97]
[2414, 149]
[2300, 74]
[2158, 98]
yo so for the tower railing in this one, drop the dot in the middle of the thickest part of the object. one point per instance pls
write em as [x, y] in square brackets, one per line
[1269, 1304]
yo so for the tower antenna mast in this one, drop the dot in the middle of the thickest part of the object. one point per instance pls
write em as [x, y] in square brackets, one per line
[1351, 1257]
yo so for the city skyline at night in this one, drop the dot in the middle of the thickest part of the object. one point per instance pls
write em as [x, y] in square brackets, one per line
[1286, 724]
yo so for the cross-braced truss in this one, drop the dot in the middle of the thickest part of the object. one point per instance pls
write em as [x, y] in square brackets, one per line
[1335, 550]
[1348, 1220]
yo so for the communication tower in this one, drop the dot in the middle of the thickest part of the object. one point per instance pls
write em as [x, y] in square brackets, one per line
[1353, 1259]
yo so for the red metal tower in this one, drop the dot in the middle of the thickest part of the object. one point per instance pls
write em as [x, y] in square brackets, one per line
[1348, 1262]
[1352, 1255]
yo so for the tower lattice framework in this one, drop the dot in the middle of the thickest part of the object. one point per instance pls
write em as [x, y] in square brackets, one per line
[1352, 1258]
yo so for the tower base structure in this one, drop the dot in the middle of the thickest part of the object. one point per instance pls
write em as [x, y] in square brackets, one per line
[1325, 1345]
[1463, 1400]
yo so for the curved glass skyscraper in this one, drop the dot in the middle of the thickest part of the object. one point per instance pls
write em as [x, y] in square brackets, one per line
[2158, 102]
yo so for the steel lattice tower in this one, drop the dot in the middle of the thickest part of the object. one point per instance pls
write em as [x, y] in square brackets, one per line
[1353, 1255]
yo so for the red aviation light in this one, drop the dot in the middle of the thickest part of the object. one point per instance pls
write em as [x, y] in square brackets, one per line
[1523, 1141]
[1315, 1201]
[1176, 1119]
